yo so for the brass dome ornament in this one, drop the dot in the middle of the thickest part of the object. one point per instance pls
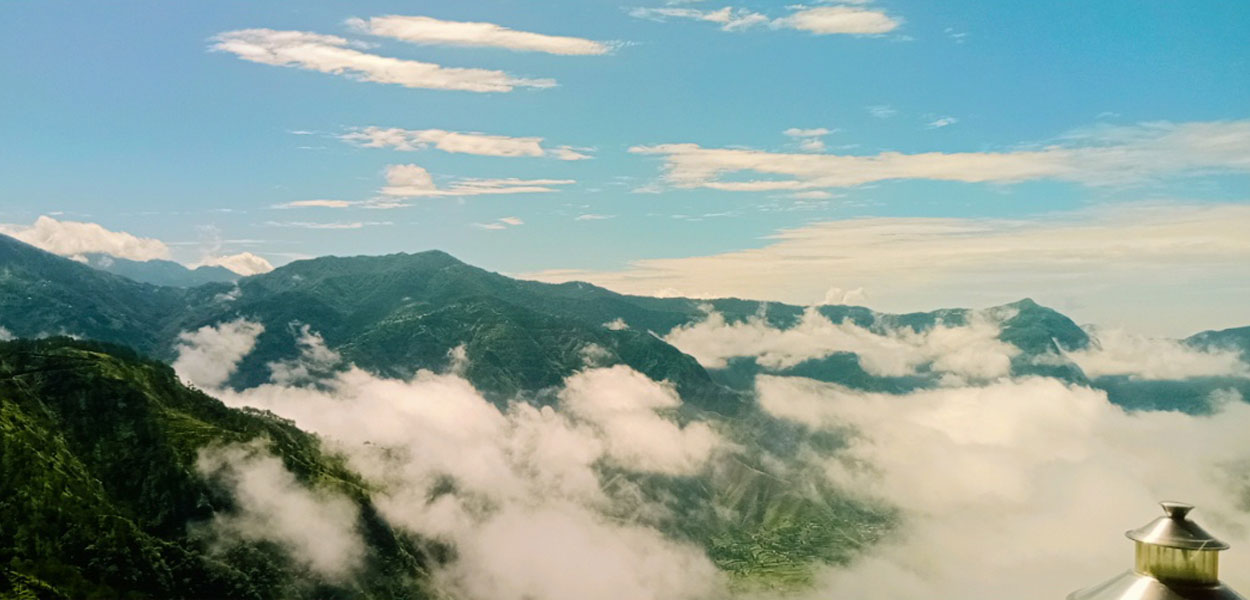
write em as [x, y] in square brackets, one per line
[1176, 560]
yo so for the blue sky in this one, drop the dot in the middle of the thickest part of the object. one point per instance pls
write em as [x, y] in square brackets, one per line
[123, 114]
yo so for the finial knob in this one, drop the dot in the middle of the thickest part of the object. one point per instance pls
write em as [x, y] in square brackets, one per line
[1176, 510]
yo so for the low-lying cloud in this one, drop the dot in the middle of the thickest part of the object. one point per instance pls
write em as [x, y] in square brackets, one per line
[1018, 488]
[317, 527]
[516, 491]
[972, 350]
[1118, 352]
[208, 356]
[1030, 480]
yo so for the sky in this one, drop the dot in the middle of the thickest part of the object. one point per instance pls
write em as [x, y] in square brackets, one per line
[904, 155]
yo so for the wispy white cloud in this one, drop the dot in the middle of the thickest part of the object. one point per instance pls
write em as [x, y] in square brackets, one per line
[813, 195]
[339, 56]
[315, 204]
[427, 30]
[940, 122]
[809, 139]
[882, 111]
[380, 203]
[459, 142]
[500, 224]
[74, 239]
[592, 217]
[1120, 265]
[326, 225]
[802, 133]
[826, 20]
[1097, 156]
[730, 19]
[413, 181]
[821, 20]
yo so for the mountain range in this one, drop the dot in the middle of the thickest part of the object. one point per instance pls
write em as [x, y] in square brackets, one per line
[89, 399]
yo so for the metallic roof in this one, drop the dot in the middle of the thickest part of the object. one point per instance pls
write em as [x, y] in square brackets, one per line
[1135, 586]
[1175, 530]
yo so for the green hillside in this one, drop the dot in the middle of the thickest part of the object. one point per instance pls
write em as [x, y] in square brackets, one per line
[101, 498]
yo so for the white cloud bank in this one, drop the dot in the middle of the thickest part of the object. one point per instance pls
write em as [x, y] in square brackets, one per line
[526, 510]
[1100, 156]
[339, 56]
[459, 142]
[1118, 352]
[1134, 266]
[1045, 473]
[1018, 489]
[971, 351]
[428, 30]
[73, 239]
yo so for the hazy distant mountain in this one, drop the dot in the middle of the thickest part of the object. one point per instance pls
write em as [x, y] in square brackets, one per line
[42, 294]
[101, 495]
[161, 272]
